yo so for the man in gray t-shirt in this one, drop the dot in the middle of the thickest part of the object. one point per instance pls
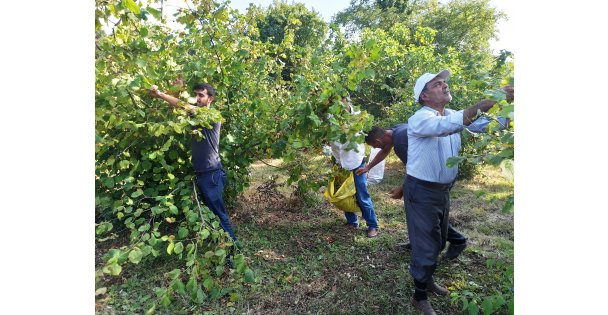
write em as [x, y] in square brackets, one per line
[210, 176]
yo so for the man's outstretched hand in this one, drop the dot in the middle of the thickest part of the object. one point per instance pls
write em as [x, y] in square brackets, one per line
[361, 170]
[154, 92]
[396, 193]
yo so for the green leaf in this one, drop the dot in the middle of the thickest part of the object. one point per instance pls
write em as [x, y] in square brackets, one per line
[208, 284]
[101, 291]
[113, 269]
[103, 227]
[170, 248]
[369, 73]
[131, 5]
[200, 296]
[141, 63]
[507, 153]
[249, 276]
[108, 182]
[473, 309]
[204, 234]
[234, 297]
[173, 274]
[296, 144]
[315, 119]
[112, 256]
[454, 161]
[155, 13]
[124, 164]
[135, 255]
[192, 285]
[157, 210]
[137, 193]
[144, 227]
[182, 232]
[151, 310]
[178, 248]
[165, 301]
[178, 286]
[496, 95]
[219, 270]
[486, 305]
[506, 110]
[220, 252]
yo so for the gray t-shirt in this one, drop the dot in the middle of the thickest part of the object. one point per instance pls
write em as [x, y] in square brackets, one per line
[205, 153]
[400, 142]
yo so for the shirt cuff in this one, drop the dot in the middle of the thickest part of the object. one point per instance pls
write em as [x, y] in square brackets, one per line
[457, 118]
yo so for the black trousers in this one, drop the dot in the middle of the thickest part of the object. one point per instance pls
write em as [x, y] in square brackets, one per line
[427, 208]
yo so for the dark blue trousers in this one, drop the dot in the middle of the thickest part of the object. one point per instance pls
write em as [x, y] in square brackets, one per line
[427, 211]
[211, 185]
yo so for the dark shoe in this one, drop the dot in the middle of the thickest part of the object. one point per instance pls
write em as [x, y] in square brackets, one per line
[424, 306]
[372, 232]
[454, 251]
[437, 289]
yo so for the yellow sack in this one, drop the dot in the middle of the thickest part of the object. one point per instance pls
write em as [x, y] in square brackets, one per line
[344, 197]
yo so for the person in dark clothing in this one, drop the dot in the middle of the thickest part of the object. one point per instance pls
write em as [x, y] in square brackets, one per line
[210, 175]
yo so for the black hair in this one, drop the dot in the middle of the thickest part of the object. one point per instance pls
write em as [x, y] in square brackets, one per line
[204, 86]
[375, 134]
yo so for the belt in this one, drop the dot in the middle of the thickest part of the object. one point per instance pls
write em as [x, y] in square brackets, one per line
[431, 185]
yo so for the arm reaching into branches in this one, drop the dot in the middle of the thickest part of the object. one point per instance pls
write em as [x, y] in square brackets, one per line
[471, 113]
[172, 100]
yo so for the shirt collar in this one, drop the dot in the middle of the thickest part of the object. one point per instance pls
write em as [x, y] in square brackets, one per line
[446, 112]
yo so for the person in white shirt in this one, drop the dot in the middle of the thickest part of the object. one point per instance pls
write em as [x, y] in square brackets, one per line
[433, 137]
[352, 160]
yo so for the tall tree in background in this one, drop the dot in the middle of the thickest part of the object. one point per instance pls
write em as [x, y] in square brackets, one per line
[462, 24]
[465, 25]
[293, 28]
[381, 14]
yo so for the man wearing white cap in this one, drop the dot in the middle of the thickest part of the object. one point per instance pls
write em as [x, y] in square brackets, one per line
[433, 137]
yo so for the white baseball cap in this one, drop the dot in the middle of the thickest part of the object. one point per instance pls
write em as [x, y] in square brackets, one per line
[425, 78]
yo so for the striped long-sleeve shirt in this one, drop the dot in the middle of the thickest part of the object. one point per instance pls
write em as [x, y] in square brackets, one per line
[433, 139]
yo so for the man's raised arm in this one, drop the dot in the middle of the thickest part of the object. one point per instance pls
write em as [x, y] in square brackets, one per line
[172, 100]
[471, 113]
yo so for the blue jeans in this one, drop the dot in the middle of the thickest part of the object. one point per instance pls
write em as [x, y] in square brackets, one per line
[365, 203]
[211, 185]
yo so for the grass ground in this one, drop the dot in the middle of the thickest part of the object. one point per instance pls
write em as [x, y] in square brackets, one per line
[307, 262]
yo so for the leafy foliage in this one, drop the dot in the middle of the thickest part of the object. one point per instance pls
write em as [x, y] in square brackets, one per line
[500, 300]
[143, 176]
